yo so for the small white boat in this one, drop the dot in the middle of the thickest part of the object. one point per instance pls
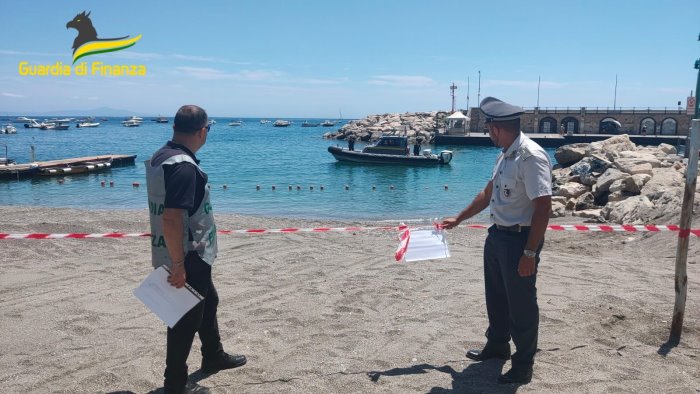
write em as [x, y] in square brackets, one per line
[134, 118]
[264, 121]
[32, 124]
[327, 123]
[131, 123]
[23, 119]
[86, 124]
[9, 129]
[235, 123]
[211, 122]
[281, 123]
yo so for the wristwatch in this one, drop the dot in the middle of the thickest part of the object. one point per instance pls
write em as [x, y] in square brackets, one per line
[529, 253]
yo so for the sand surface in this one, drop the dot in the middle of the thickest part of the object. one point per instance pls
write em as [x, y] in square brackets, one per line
[334, 313]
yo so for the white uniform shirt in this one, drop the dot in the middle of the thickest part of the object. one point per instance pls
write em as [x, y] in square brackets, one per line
[522, 173]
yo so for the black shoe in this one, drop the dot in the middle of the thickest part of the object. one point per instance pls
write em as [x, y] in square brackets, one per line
[522, 375]
[500, 350]
[190, 388]
[224, 361]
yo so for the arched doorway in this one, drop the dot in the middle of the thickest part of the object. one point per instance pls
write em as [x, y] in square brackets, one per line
[548, 125]
[647, 126]
[570, 124]
[609, 126]
[669, 126]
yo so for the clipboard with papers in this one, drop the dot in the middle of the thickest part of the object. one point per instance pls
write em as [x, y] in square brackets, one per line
[164, 300]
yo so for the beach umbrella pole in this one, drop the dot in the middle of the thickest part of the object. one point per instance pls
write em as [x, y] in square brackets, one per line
[681, 280]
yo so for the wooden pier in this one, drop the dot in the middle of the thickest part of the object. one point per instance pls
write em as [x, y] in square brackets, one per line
[28, 170]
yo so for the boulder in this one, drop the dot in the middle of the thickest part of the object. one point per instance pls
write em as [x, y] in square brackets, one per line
[633, 184]
[662, 181]
[618, 196]
[571, 190]
[558, 210]
[559, 199]
[585, 201]
[590, 164]
[633, 210]
[609, 147]
[668, 149]
[569, 154]
[588, 213]
[607, 179]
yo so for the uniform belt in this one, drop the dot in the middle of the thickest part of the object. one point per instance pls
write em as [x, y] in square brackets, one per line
[514, 229]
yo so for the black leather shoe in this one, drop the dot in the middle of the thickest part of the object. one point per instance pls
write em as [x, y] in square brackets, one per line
[190, 388]
[501, 350]
[224, 361]
[522, 375]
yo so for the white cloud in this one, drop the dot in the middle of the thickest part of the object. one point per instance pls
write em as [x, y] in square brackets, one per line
[521, 84]
[207, 73]
[22, 53]
[412, 81]
[13, 95]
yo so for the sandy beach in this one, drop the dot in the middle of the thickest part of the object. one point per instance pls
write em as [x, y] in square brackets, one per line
[334, 313]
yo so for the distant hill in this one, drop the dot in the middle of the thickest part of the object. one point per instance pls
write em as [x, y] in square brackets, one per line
[101, 111]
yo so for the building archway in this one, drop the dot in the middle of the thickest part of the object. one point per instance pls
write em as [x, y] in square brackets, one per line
[548, 125]
[669, 126]
[570, 124]
[647, 126]
[609, 126]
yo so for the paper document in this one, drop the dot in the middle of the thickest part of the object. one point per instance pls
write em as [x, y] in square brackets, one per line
[427, 245]
[166, 301]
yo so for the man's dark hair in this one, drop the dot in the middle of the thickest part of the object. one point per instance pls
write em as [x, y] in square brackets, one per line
[189, 119]
[512, 126]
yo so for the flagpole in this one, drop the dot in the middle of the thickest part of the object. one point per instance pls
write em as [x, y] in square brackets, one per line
[538, 91]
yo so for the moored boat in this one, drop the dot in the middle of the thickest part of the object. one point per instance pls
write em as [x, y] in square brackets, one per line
[281, 123]
[327, 123]
[161, 119]
[9, 129]
[235, 123]
[86, 124]
[390, 150]
[131, 123]
[309, 124]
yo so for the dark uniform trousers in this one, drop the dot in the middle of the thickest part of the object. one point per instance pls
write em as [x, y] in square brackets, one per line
[511, 300]
[200, 319]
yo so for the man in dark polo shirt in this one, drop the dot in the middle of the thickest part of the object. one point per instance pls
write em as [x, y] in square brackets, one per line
[183, 238]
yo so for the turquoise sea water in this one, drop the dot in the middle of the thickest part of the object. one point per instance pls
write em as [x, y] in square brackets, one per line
[244, 157]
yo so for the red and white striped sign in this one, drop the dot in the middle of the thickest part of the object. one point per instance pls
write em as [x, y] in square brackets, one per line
[554, 227]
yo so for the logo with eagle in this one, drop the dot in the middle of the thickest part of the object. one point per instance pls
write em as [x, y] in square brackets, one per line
[87, 43]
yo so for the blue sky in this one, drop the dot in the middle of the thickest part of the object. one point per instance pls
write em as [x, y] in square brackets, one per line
[313, 58]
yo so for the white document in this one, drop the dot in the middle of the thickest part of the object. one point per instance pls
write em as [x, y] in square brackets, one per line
[166, 301]
[427, 245]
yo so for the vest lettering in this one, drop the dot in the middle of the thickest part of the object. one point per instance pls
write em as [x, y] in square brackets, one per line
[157, 242]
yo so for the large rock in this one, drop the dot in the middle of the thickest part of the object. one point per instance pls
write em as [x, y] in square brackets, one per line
[585, 201]
[634, 166]
[662, 181]
[569, 154]
[633, 210]
[571, 190]
[607, 179]
[611, 146]
[668, 149]
[588, 213]
[588, 165]
[558, 210]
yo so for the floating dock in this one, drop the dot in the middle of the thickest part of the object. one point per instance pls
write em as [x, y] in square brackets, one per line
[27, 170]
[553, 140]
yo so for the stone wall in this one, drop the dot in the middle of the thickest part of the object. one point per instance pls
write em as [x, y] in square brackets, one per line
[587, 120]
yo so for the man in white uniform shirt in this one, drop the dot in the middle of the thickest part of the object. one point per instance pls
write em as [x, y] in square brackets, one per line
[519, 196]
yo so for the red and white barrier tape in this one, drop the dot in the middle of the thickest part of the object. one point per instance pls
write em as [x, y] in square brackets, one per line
[404, 238]
[554, 227]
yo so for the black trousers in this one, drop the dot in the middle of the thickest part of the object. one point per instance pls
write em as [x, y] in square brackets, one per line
[200, 319]
[511, 300]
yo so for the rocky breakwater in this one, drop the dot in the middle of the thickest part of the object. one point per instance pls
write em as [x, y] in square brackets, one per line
[411, 124]
[619, 182]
